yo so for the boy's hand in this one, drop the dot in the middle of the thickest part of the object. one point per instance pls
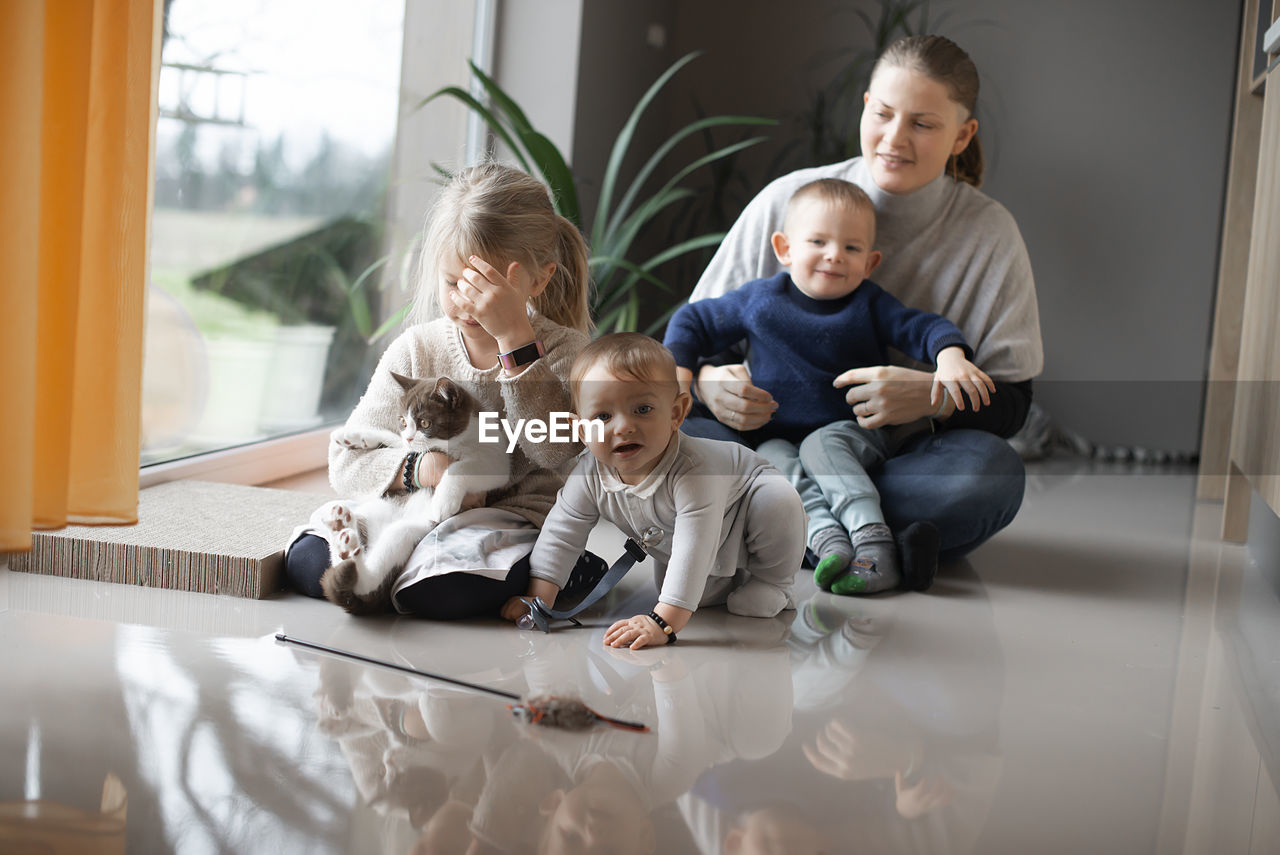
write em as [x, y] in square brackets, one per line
[635, 633]
[957, 375]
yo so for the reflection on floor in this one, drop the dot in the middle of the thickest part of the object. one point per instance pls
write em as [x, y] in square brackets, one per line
[1100, 678]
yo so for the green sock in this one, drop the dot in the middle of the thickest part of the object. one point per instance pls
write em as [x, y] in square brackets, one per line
[828, 570]
[850, 583]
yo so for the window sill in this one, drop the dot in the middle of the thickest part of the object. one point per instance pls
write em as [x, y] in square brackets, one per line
[259, 463]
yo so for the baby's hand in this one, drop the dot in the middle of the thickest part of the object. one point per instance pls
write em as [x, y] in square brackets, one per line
[957, 375]
[635, 633]
[514, 609]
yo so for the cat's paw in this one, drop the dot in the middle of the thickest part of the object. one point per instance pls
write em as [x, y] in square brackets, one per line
[337, 516]
[347, 543]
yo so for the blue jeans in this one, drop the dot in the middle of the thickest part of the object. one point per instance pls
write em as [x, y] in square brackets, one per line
[968, 483]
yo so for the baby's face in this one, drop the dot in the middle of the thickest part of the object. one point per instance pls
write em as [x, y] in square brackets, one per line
[828, 248]
[640, 417]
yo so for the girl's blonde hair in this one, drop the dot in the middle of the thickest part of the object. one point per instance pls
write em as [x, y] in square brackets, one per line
[502, 214]
[941, 59]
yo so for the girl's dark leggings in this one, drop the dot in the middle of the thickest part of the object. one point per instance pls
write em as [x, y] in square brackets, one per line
[448, 597]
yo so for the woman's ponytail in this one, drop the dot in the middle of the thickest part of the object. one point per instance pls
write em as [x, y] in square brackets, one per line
[968, 165]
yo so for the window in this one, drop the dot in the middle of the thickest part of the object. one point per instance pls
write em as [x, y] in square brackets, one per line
[277, 124]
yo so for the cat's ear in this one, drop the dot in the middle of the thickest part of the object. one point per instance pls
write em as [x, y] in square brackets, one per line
[447, 391]
[406, 383]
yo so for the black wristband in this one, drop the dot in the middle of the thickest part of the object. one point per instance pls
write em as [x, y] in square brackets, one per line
[410, 463]
[664, 626]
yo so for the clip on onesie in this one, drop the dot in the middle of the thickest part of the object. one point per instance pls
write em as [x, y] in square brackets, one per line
[540, 614]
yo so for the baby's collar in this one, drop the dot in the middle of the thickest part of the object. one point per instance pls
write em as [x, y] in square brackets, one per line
[611, 483]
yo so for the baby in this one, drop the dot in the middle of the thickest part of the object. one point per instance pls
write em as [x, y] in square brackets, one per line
[804, 329]
[732, 528]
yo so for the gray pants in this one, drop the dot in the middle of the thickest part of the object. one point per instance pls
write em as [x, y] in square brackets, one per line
[829, 471]
[774, 542]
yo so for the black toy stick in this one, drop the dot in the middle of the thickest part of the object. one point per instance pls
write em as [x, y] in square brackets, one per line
[546, 710]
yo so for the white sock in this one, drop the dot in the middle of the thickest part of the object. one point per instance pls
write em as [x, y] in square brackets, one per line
[758, 599]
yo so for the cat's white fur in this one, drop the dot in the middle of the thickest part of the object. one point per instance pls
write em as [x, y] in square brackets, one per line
[392, 528]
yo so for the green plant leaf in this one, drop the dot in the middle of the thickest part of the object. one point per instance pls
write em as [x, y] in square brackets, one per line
[367, 272]
[390, 323]
[674, 252]
[623, 142]
[652, 329]
[489, 118]
[668, 194]
[624, 205]
[501, 99]
[555, 172]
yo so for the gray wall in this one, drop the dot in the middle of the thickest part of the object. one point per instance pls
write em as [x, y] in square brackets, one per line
[1106, 128]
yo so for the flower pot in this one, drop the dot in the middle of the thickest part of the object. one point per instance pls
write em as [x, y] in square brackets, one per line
[291, 395]
[239, 365]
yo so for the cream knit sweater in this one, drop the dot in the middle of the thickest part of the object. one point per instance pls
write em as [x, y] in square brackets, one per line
[436, 349]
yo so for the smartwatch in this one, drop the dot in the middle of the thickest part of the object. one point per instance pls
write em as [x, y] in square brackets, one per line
[522, 356]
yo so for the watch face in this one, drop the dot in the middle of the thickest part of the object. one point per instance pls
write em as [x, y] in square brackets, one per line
[522, 355]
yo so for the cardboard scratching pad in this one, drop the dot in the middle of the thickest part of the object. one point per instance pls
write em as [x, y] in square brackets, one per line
[191, 536]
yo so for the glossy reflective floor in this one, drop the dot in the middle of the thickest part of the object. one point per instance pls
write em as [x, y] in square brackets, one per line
[1103, 677]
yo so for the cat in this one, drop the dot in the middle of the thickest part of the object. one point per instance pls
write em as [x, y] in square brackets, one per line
[370, 541]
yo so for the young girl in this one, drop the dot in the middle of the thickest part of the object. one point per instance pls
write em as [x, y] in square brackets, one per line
[510, 276]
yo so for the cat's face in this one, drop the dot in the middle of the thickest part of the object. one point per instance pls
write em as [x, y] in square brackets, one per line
[434, 408]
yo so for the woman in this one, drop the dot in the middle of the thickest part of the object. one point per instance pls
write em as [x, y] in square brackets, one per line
[947, 248]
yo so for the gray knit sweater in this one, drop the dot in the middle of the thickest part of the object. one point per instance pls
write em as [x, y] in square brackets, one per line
[948, 248]
[435, 349]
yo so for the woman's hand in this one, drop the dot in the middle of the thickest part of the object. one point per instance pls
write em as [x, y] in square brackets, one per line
[888, 395]
[635, 633]
[915, 800]
[958, 376]
[729, 394]
[498, 301]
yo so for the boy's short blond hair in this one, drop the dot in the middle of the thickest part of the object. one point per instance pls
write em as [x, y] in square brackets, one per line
[833, 191]
[629, 355]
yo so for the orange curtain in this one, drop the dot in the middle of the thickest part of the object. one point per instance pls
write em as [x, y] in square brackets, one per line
[77, 107]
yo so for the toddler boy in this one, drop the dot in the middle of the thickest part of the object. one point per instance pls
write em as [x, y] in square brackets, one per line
[732, 527]
[803, 329]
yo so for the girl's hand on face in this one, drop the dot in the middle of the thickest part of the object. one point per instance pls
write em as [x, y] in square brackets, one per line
[957, 375]
[729, 394]
[887, 394]
[497, 301]
[635, 633]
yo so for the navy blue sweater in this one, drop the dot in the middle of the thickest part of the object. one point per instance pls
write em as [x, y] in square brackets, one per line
[799, 345]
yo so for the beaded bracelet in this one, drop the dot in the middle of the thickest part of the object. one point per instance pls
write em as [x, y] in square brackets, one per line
[410, 476]
[664, 626]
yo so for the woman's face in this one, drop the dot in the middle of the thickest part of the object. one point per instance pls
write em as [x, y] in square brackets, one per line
[910, 127]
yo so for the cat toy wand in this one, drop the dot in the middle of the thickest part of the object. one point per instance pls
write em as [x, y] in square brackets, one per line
[546, 710]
